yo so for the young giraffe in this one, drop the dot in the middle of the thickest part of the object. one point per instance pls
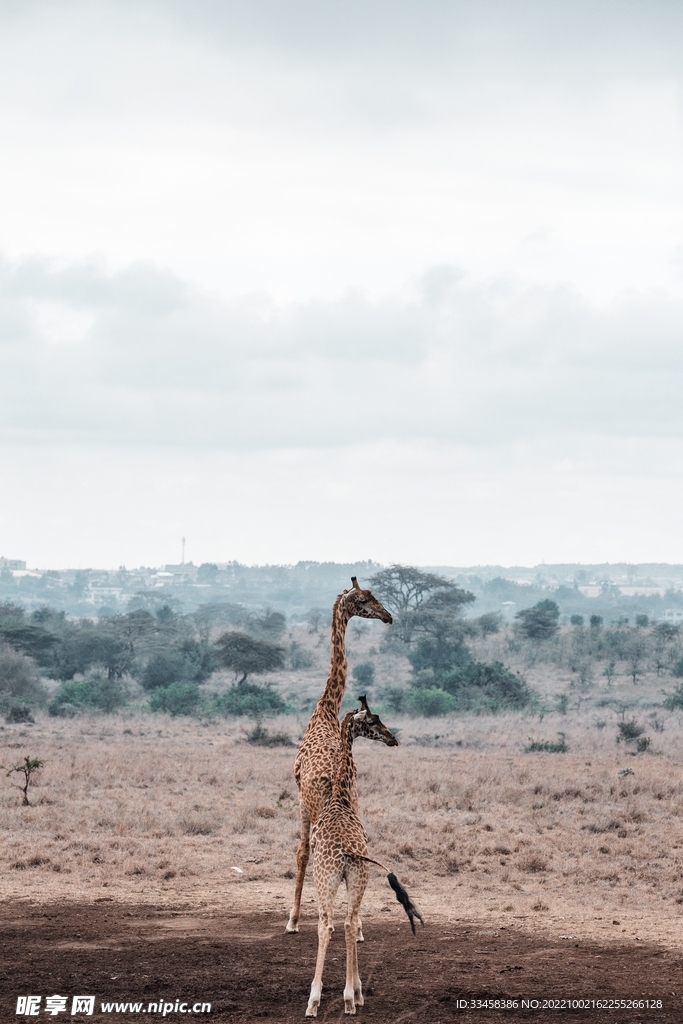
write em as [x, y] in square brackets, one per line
[339, 846]
[318, 755]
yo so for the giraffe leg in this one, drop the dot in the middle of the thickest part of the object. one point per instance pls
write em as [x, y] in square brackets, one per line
[356, 881]
[325, 929]
[302, 855]
[359, 933]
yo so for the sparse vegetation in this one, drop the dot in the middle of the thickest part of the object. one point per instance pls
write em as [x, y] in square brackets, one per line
[28, 768]
[547, 746]
[110, 809]
[260, 737]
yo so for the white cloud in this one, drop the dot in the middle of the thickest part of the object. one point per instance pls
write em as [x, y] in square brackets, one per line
[421, 258]
[140, 355]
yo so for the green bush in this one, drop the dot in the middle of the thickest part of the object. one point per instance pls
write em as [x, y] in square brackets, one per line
[17, 714]
[488, 687]
[176, 699]
[98, 694]
[162, 670]
[394, 698]
[630, 731]
[675, 699]
[250, 699]
[192, 662]
[545, 746]
[430, 701]
[540, 622]
[260, 737]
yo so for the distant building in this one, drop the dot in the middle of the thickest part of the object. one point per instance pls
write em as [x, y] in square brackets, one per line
[11, 563]
[673, 615]
[104, 595]
[507, 610]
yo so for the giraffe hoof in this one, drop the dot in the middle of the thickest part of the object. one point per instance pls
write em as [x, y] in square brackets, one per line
[312, 1011]
[349, 1008]
[292, 929]
[359, 937]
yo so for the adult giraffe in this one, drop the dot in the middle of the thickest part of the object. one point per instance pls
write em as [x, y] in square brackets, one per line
[318, 756]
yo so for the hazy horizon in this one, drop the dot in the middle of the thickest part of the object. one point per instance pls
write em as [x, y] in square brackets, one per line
[344, 280]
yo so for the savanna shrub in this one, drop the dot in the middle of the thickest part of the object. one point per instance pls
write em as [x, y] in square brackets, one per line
[97, 694]
[487, 686]
[18, 713]
[250, 699]
[394, 698]
[547, 746]
[675, 699]
[430, 701]
[18, 679]
[162, 670]
[630, 731]
[176, 699]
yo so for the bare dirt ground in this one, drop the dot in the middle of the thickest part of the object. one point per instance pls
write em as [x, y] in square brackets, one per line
[249, 969]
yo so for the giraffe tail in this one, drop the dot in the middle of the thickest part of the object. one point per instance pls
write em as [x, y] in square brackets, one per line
[405, 900]
[401, 893]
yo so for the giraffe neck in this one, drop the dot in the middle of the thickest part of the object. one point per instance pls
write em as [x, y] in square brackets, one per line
[344, 779]
[331, 697]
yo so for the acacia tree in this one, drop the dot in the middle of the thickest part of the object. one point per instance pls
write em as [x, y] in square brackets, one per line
[247, 656]
[540, 622]
[421, 602]
[28, 767]
[403, 588]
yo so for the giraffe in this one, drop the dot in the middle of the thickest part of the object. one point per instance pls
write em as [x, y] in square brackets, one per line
[339, 845]
[318, 754]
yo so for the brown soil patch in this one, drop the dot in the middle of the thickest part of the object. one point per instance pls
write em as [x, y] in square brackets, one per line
[250, 970]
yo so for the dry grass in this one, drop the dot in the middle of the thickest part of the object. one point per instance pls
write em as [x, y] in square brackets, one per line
[166, 810]
[475, 827]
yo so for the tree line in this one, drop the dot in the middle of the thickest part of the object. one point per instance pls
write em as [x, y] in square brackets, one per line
[168, 654]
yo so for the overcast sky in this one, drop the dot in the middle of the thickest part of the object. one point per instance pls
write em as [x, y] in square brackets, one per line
[341, 280]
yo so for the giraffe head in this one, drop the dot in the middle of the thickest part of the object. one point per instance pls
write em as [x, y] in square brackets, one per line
[371, 726]
[361, 602]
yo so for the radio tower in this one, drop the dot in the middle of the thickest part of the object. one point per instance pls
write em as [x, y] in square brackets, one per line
[182, 561]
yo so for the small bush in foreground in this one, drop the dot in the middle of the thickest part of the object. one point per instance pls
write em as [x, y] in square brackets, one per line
[545, 746]
[27, 768]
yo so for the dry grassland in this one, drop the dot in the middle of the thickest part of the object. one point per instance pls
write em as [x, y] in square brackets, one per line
[162, 810]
